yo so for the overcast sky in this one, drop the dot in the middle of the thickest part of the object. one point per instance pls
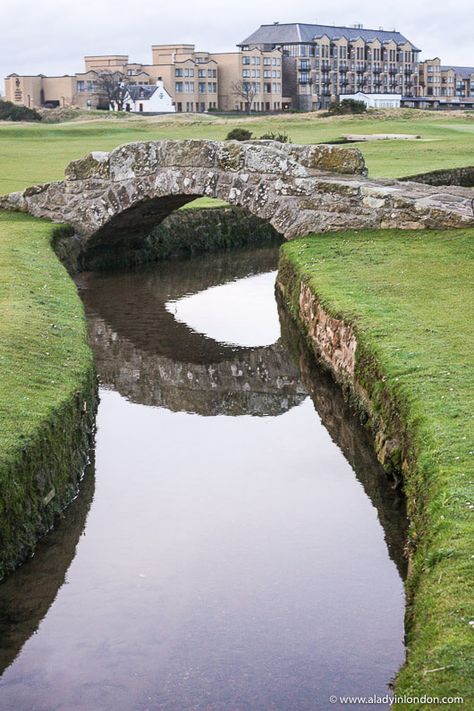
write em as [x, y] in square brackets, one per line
[52, 36]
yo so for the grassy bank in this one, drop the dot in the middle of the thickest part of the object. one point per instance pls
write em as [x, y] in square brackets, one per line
[31, 153]
[47, 386]
[409, 298]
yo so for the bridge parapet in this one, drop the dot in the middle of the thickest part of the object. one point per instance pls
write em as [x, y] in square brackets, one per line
[139, 159]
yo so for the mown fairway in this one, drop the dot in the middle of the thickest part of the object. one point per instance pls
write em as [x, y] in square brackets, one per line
[36, 153]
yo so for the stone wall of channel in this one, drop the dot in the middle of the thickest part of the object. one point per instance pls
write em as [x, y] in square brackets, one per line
[463, 177]
[336, 346]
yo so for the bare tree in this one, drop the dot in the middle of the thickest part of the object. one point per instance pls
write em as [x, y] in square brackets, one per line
[247, 90]
[113, 86]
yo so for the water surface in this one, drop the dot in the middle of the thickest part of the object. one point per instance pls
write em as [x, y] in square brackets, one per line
[227, 551]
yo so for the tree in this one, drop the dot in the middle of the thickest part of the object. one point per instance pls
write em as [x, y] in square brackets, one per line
[113, 86]
[247, 91]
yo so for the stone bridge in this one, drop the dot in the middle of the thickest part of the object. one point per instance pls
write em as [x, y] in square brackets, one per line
[107, 197]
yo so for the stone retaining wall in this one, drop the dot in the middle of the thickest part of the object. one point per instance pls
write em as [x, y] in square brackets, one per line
[464, 177]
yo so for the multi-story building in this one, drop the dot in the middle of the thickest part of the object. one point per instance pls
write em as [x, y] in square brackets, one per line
[252, 76]
[279, 66]
[442, 86]
[190, 77]
[196, 81]
[321, 63]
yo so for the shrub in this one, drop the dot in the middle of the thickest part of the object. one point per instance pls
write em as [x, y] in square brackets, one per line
[348, 106]
[239, 134]
[12, 112]
[279, 137]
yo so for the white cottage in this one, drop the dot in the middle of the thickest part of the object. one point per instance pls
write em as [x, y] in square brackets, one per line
[148, 98]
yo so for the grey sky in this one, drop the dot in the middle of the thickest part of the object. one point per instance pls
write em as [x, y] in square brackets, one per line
[51, 36]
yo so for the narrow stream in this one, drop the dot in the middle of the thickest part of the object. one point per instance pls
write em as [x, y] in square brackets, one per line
[235, 545]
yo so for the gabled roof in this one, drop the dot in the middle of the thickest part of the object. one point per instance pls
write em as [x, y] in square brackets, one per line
[297, 33]
[141, 91]
[465, 72]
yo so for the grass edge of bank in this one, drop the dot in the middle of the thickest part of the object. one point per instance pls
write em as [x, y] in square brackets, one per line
[387, 394]
[47, 387]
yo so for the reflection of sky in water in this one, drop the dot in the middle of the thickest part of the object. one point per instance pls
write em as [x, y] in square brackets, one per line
[240, 313]
[227, 563]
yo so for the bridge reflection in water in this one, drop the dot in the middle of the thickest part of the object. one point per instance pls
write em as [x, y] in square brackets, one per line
[170, 365]
[226, 623]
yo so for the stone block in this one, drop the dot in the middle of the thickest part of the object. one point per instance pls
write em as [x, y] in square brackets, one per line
[94, 165]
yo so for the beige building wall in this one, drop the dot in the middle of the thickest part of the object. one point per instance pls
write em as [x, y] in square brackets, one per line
[24, 90]
[258, 68]
[107, 62]
[190, 76]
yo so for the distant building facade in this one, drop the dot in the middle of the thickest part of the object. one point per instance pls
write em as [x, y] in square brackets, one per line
[187, 76]
[196, 81]
[295, 65]
[322, 62]
[254, 69]
[443, 86]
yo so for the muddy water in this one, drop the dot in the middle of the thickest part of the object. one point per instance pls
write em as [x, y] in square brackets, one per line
[236, 547]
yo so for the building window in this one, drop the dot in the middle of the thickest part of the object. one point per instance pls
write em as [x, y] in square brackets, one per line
[178, 72]
[245, 60]
[202, 87]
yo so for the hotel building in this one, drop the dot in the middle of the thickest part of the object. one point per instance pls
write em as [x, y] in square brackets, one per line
[322, 63]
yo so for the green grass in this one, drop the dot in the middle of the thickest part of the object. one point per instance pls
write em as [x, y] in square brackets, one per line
[409, 296]
[44, 361]
[42, 329]
[31, 153]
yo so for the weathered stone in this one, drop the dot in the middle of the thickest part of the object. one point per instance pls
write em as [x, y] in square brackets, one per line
[330, 158]
[230, 156]
[94, 165]
[133, 160]
[298, 189]
[188, 153]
